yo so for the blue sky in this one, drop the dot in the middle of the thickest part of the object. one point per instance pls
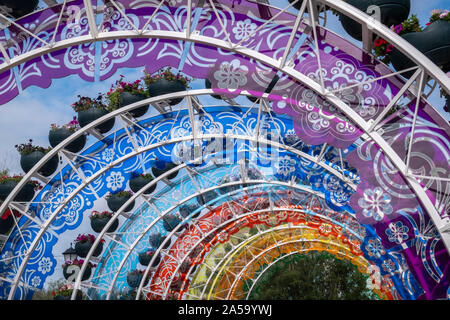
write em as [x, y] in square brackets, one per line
[31, 113]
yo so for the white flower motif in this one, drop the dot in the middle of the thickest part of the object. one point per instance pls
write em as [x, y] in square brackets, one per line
[397, 232]
[45, 265]
[376, 204]
[375, 248]
[108, 155]
[36, 281]
[115, 181]
[174, 3]
[231, 75]
[388, 266]
[243, 29]
[285, 166]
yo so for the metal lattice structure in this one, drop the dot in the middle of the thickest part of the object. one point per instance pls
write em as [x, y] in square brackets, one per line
[325, 161]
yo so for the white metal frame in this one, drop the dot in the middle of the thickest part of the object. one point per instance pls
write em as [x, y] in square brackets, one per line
[117, 113]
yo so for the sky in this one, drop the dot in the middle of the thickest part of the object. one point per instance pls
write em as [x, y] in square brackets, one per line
[31, 113]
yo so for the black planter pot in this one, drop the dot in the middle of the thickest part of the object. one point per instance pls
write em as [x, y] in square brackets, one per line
[115, 202]
[28, 161]
[156, 239]
[25, 194]
[98, 224]
[87, 116]
[157, 172]
[268, 90]
[137, 183]
[84, 277]
[170, 221]
[163, 86]
[134, 279]
[82, 249]
[393, 12]
[225, 190]
[144, 259]
[20, 8]
[185, 210]
[127, 98]
[433, 42]
[206, 197]
[57, 136]
[208, 86]
[6, 224]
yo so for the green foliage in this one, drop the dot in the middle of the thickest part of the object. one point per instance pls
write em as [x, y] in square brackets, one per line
[123, 193]
[114, 95]
[167, 75]
[313, 276]
[48, 293]
[85, 103]
[438, 14]
[27, 148]
[382, 49]
[100, 215]
[71, 126]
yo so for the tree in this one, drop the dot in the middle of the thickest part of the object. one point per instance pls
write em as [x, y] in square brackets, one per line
[313, 276]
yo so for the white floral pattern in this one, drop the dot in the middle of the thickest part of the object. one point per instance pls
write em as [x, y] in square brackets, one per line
[397, 232]
[108, 155]
[115, 181]
[35, 281]
[375, 203]
[374, 248]
[45, 265]
[231, 75]
[244, 29]
[285, 166]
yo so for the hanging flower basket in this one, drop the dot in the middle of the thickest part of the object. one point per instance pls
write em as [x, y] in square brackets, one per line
[392, 12]
[162, 167]
[433, 42]
[138, 181]
[89, 110]
[124, 93]
[134, 278]
[204, 198]
[6, 222]
[116, 200]
[58, 134]
[227, 179]
[146, 256]
[165, 82]
[65, 293]
[68, 271]
[19, 8]
[100, 219]
[156, 239]
[208, 85]
[83, 244]
[170, 221]
[30, 155]
[268, 90]
[25, 194]
[186, 209]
